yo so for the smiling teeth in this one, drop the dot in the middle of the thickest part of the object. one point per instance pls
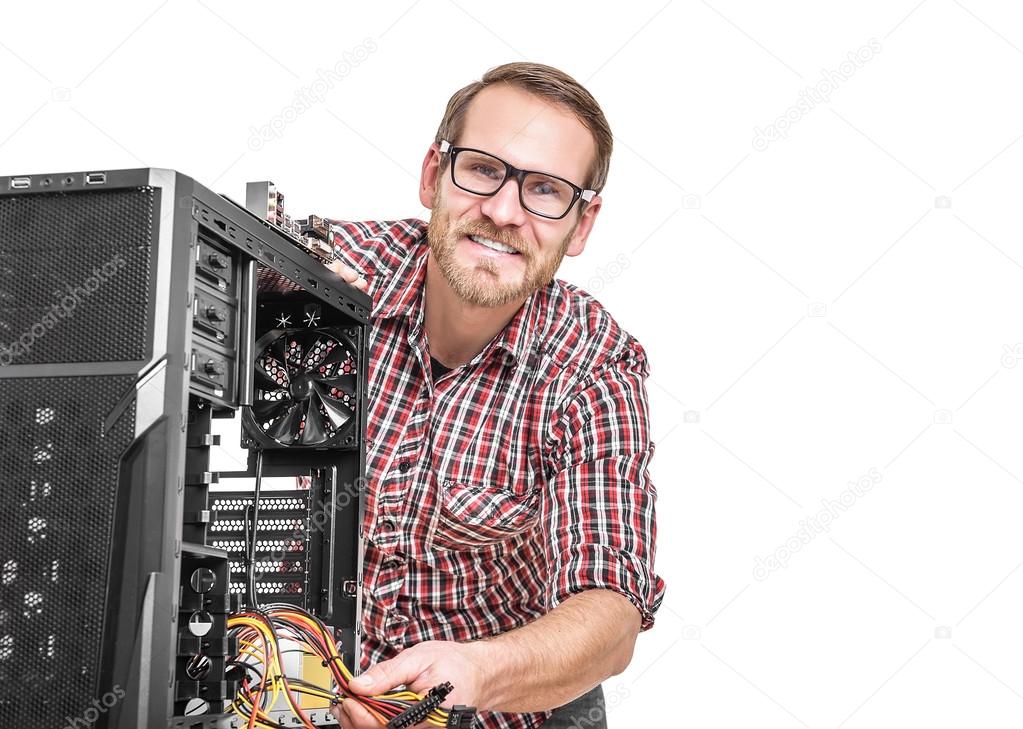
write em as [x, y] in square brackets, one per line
[492, 244]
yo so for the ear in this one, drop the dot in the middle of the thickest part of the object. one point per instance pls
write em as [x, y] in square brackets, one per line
[430, 177]
[583, 227]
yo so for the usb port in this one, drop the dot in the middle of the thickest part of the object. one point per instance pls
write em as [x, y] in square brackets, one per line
[20, 183]
[95, 178]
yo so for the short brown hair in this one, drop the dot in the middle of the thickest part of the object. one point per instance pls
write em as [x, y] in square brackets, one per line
[550, 84]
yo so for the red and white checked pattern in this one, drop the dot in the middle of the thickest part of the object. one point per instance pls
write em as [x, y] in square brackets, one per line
[512, 482]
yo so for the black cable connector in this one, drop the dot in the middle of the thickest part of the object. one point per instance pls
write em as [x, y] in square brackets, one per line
[415, 714]
[461, 717]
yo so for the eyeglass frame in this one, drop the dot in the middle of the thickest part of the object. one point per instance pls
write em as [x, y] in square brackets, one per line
[520, 175]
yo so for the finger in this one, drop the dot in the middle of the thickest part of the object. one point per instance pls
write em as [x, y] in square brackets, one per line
[344, 271]
[384, 676]
[350, 275]
[357, 716]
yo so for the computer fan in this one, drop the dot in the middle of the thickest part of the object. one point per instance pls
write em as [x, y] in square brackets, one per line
[304, 389]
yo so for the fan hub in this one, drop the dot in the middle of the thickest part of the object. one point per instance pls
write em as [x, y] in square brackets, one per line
[301, 387]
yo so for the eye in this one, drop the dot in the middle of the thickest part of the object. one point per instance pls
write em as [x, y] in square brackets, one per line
[546, 189]
[484, 169]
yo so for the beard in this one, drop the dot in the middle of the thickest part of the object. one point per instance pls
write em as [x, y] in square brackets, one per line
[481, 283]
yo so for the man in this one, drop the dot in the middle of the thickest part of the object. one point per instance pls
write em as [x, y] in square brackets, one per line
[509, 516]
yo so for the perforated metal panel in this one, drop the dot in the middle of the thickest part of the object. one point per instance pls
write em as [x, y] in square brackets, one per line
[282, 549]
[58, 479]
[74, 276]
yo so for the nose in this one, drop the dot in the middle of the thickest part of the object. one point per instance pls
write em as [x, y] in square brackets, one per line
[504, 207]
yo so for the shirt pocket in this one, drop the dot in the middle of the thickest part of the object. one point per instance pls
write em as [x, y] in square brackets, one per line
[472, 516]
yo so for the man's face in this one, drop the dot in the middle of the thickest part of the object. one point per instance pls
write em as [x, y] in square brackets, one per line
[531, 134]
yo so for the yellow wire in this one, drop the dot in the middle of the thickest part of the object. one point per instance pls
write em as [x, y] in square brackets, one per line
[266, 665]
[438, 717]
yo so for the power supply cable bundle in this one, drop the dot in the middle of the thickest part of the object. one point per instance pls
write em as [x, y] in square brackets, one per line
[263, 681]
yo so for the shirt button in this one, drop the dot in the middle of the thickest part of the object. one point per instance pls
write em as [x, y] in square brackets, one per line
[404, 466]
[387, 524]
[394, 562]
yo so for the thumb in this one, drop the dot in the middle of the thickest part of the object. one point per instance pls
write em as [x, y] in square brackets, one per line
[365, 684]
[381, 678]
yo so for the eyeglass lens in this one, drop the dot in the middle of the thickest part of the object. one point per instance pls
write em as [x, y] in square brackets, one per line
[482, 174]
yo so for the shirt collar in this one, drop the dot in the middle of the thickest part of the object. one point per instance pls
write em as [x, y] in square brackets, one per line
[404, 292]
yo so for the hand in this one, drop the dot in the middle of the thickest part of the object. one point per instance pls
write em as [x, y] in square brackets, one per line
[420, 668]
[349, 274]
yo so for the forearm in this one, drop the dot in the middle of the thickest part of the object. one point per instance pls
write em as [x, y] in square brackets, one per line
[547, 663]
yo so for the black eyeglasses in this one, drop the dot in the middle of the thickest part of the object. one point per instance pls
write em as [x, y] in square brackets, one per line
[481, 173]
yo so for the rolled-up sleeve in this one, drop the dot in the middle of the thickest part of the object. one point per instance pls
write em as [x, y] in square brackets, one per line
[599, 508]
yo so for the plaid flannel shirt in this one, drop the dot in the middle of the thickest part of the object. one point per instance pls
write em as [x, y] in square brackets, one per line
[510, 483]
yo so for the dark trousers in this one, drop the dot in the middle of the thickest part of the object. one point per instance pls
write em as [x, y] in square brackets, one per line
[586, 712]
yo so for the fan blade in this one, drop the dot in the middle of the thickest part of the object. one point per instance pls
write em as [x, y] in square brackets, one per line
[341, 382]
[339, 353]
[307, 342]
[265, 410]
[310, 341]
[267, 383]
[285, 430]
[298, 358]
[279, 349]
[338, 413]
[313, 433]
[270, 359]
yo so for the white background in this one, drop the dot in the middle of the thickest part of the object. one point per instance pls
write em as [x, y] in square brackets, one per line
[813, 306]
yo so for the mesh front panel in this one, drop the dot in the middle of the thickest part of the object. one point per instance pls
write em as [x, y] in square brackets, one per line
[74, 276]
[58, 478]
